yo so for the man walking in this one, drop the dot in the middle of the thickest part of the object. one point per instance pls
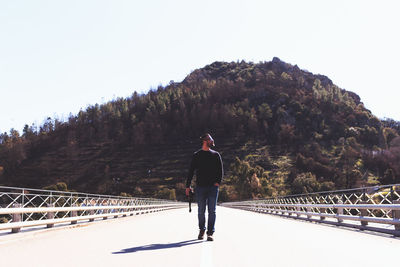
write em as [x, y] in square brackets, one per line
[207, 164]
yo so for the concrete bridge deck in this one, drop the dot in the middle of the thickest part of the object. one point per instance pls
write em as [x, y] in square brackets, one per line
[168, 238]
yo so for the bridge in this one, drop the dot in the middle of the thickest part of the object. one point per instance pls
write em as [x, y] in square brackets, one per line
[323, 229]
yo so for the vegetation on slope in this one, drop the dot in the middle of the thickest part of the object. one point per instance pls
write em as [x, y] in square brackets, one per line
[280, 130]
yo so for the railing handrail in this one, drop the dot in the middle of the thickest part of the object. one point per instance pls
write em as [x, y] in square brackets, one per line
[25, 207]
[328, 206]
[376, 188]
[79, 208]
[68, 193]
[367, 205]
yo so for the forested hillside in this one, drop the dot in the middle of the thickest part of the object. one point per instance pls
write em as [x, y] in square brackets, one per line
[280, 130]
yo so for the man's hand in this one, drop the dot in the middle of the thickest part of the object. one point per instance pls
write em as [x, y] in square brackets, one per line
[216, 184]
[188, 190]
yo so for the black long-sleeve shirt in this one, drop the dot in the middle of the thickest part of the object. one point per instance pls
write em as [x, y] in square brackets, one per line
[208, 167]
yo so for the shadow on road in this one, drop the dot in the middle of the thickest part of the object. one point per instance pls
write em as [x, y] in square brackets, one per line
[159, 246]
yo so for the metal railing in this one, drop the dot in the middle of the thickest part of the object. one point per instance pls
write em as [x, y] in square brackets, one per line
[370, 208]
[25, 207]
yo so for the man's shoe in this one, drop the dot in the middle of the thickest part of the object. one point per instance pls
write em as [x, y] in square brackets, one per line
[210, 238]
[201, 235]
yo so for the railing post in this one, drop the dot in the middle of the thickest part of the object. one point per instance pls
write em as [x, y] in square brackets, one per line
[74, 213]
[308, 209]
[124, 203]
[391, 194]
[340, 210]
[17, 217]
[115, 210]
[322, 211]
[131, 203]
[364, 213]
[23, 198]
[105, 212]
[88, 202]
[137, 210]
[396, 215]
[50, 216]
[91, 212]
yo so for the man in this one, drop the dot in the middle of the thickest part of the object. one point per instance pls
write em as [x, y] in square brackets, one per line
[207, 164]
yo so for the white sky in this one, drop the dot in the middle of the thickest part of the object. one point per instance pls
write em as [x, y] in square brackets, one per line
[59, 56]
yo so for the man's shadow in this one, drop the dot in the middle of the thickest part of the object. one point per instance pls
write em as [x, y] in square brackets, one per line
[159, 246]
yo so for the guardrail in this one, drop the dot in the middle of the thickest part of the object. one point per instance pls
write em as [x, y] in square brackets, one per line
[370, 208]
[25, 207]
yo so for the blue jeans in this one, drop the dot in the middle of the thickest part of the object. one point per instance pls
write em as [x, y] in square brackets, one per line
[207, 196]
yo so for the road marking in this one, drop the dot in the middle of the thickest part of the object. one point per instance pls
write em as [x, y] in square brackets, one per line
[207, 255]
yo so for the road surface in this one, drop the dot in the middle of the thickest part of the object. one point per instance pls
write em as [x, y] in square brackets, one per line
[168, 238]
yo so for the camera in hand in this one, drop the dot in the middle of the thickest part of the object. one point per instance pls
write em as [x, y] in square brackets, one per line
[191, 199]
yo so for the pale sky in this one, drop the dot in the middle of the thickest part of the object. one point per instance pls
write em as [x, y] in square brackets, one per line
[59, 56]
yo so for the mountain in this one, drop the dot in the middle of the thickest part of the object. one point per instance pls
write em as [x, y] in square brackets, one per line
[280, 130]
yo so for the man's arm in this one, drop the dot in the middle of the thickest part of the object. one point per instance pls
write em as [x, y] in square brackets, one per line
[190, 175]
[220, 170]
